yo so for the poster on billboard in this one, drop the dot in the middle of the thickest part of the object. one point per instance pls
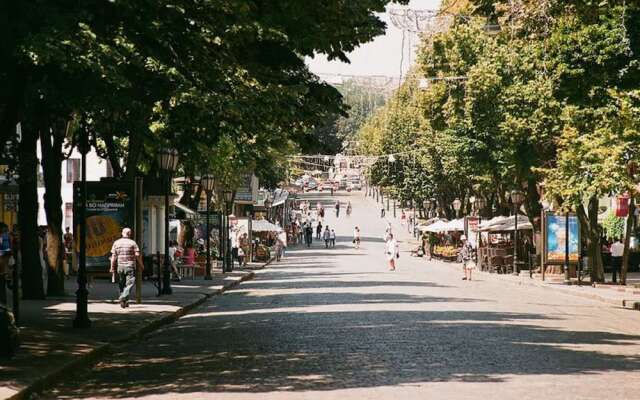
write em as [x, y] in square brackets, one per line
[555, 238]
[110, 207]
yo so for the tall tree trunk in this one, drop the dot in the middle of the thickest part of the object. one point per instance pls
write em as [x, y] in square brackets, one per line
[591, 234]
[32, 287]
[112, 156]
[51, 147]
[627, 239]
[133, 155]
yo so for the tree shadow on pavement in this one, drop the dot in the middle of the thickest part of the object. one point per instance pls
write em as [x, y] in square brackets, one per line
[302, 351]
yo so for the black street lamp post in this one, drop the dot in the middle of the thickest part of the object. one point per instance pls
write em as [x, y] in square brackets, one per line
[81, 319]
[207, 182]
[567, 280]
[517, 198]
[480, 203]
[228, 262]
[168, 163]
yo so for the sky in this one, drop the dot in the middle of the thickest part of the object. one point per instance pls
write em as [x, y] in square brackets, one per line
[383, 56]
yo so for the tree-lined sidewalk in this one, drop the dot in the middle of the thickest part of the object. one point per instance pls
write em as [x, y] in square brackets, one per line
[51, 349]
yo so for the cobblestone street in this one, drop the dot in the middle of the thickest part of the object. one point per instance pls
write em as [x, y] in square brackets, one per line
[336, 324]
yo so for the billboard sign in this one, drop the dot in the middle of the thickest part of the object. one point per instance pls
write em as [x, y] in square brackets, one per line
[110, 207]
[555, 238]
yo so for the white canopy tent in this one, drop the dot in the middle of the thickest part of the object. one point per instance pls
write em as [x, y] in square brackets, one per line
[506, 224]
[261, 225]
[456, 225]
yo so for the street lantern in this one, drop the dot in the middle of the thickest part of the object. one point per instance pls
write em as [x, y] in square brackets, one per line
[168, 162]
[517, 198]
[457, 205]
[227, 261]
[207, 183]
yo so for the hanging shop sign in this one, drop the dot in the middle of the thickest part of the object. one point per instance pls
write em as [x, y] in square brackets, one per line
[622, 206]
[554, 231]
[110, 207]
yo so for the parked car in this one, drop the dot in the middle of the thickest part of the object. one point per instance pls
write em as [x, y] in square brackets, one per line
[354, 186]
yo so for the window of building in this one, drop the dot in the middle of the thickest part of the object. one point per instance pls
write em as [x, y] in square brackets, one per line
[68, 214]
[73, 170]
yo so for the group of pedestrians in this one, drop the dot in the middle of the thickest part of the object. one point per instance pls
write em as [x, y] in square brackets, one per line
[329, 237]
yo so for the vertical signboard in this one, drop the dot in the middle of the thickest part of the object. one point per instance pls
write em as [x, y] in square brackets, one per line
[555, 238]
[110, 207]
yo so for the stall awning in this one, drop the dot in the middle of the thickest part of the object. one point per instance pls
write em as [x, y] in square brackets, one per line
[262, 225]
[507, 224]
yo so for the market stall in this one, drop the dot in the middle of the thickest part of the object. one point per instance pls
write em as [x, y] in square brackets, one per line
[495, 253]
[444, 237]
[264, 235]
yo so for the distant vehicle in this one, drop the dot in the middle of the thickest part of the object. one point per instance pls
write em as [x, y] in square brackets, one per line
[343, 183]
[354, 186]
[327, 185]
[311, 185]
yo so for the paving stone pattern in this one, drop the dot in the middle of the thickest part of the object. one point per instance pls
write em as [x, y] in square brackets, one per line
[335, 324]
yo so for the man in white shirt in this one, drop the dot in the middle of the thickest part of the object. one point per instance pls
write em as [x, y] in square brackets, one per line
[617, 251]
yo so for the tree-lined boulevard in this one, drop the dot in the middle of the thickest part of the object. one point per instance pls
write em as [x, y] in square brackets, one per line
[163, 160]
[328, 324]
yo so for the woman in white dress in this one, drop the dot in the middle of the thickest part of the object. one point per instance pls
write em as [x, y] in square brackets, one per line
[356, 237]
[391, 251]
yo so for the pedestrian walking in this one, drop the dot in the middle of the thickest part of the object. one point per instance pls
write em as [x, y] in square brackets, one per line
[175, 254]
[349, 209]
[319, 230]
[356, 237]
[466, 254]
[403, 218]
[282, 238]
[337, 206]
[382, 211]
[388, 231]
[332, 237]
[308, 231]
[5, 256]
[391, 252]
[327, 237]
[68, 251]
[617, 251]
[125, 255]
[321, 212]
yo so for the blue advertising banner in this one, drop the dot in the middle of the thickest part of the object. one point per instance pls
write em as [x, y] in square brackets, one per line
[555, 238]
